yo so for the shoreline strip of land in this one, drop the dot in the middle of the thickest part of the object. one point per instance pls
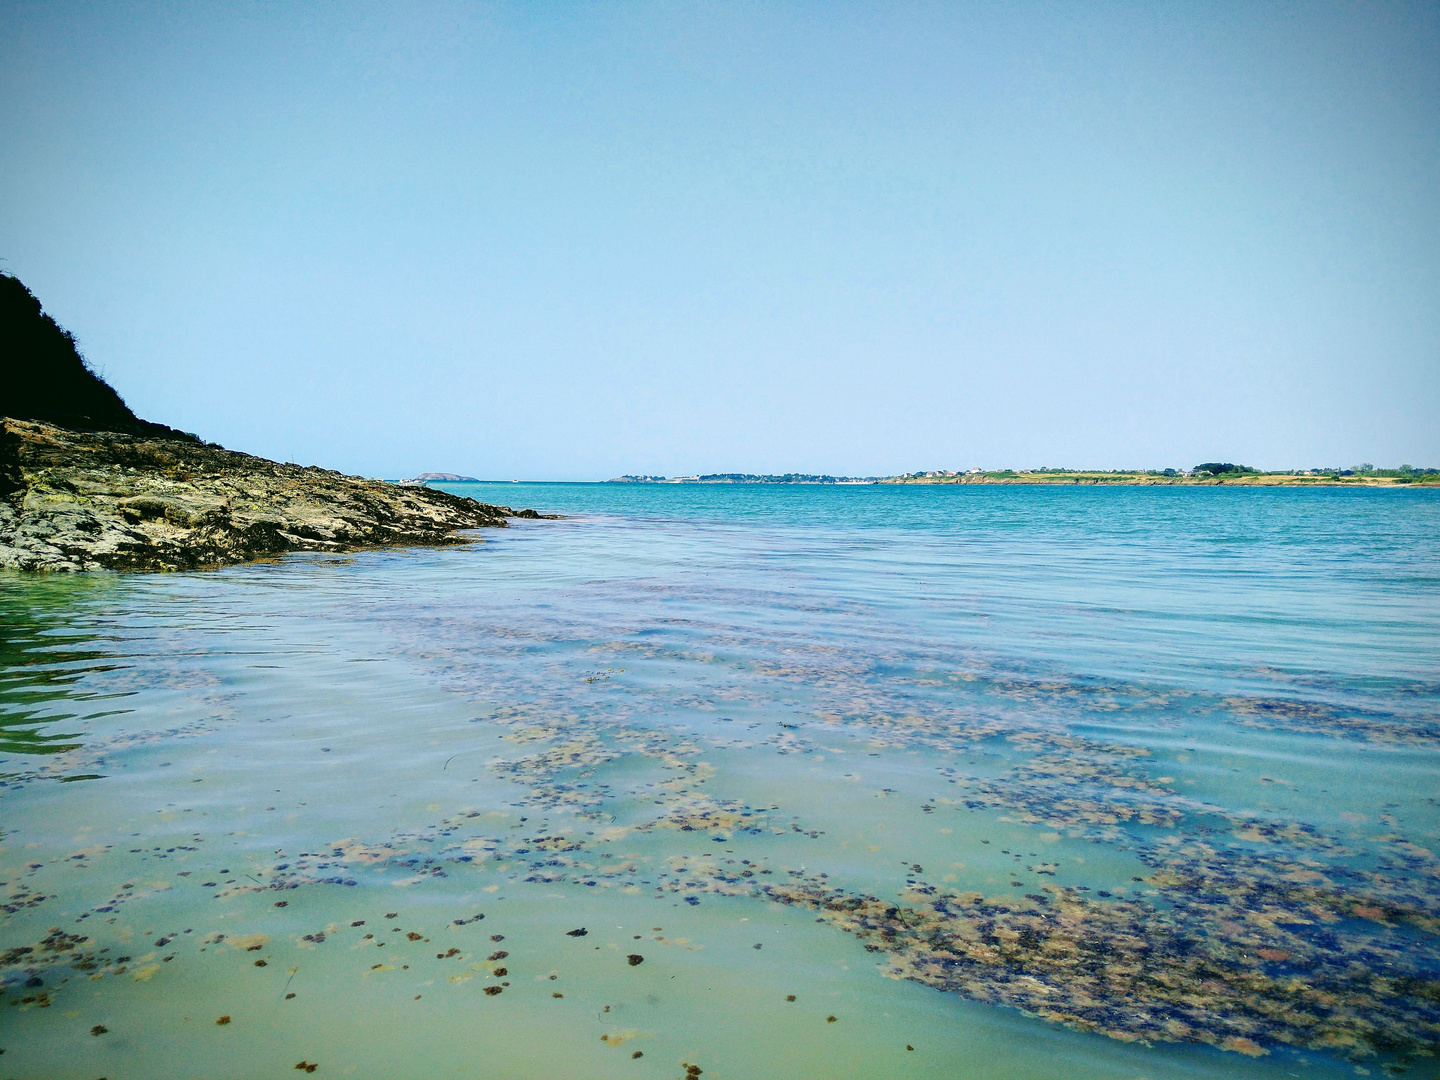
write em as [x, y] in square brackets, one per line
[1388, 478]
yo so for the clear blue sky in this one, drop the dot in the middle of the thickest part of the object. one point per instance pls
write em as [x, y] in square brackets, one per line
[566, 241]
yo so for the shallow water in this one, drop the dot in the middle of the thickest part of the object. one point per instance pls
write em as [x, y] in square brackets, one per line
[1082, 782]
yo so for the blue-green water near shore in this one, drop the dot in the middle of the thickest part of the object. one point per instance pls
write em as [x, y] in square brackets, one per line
[1035, 781]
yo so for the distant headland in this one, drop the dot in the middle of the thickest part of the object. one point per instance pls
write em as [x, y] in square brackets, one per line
[85, 484]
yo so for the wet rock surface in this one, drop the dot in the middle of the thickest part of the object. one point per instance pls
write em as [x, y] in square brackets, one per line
[75, 501]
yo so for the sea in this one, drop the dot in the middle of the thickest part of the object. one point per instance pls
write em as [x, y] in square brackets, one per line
[733, 781]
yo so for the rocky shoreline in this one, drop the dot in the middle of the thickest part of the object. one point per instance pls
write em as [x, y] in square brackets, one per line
[73, 501]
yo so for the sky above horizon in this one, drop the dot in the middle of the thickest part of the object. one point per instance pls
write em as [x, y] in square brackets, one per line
[571, 241]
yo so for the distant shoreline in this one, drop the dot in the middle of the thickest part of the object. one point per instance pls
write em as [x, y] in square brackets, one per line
[1301, 480]
[748, 478]
[1080, 479]
[1425, 479]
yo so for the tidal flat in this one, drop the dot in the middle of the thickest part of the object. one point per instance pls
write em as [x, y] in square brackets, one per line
[732, 782]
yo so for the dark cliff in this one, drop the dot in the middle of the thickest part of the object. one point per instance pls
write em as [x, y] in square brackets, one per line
[85, 484]
[44, 378]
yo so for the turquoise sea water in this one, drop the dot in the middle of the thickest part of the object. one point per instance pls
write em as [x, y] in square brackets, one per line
[873, 781]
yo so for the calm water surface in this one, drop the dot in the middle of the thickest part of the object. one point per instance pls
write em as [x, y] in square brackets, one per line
[770, 781]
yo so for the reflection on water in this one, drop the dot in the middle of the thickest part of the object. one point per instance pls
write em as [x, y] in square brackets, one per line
[45, 649]
[759, 782]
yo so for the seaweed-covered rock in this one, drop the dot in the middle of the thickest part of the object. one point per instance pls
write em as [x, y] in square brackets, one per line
[74, 501]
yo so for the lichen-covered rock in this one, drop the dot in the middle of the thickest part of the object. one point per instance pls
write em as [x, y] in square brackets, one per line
[76, 501]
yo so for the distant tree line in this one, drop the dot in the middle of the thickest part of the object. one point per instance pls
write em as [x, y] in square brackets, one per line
[1403, 473]
[1222, 468]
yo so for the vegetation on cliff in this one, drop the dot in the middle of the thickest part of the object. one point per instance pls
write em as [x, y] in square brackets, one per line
[47, 379]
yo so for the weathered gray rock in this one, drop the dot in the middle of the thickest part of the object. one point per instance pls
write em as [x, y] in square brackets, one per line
[77, 501]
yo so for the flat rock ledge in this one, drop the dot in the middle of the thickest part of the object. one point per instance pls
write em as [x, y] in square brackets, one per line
[75, 501]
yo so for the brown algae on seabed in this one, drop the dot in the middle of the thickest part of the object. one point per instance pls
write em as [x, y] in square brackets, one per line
[1227, 942]
[1238, 938]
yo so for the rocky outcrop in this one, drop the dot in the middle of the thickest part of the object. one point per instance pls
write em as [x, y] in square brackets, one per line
[85, 484]
[75, 501]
